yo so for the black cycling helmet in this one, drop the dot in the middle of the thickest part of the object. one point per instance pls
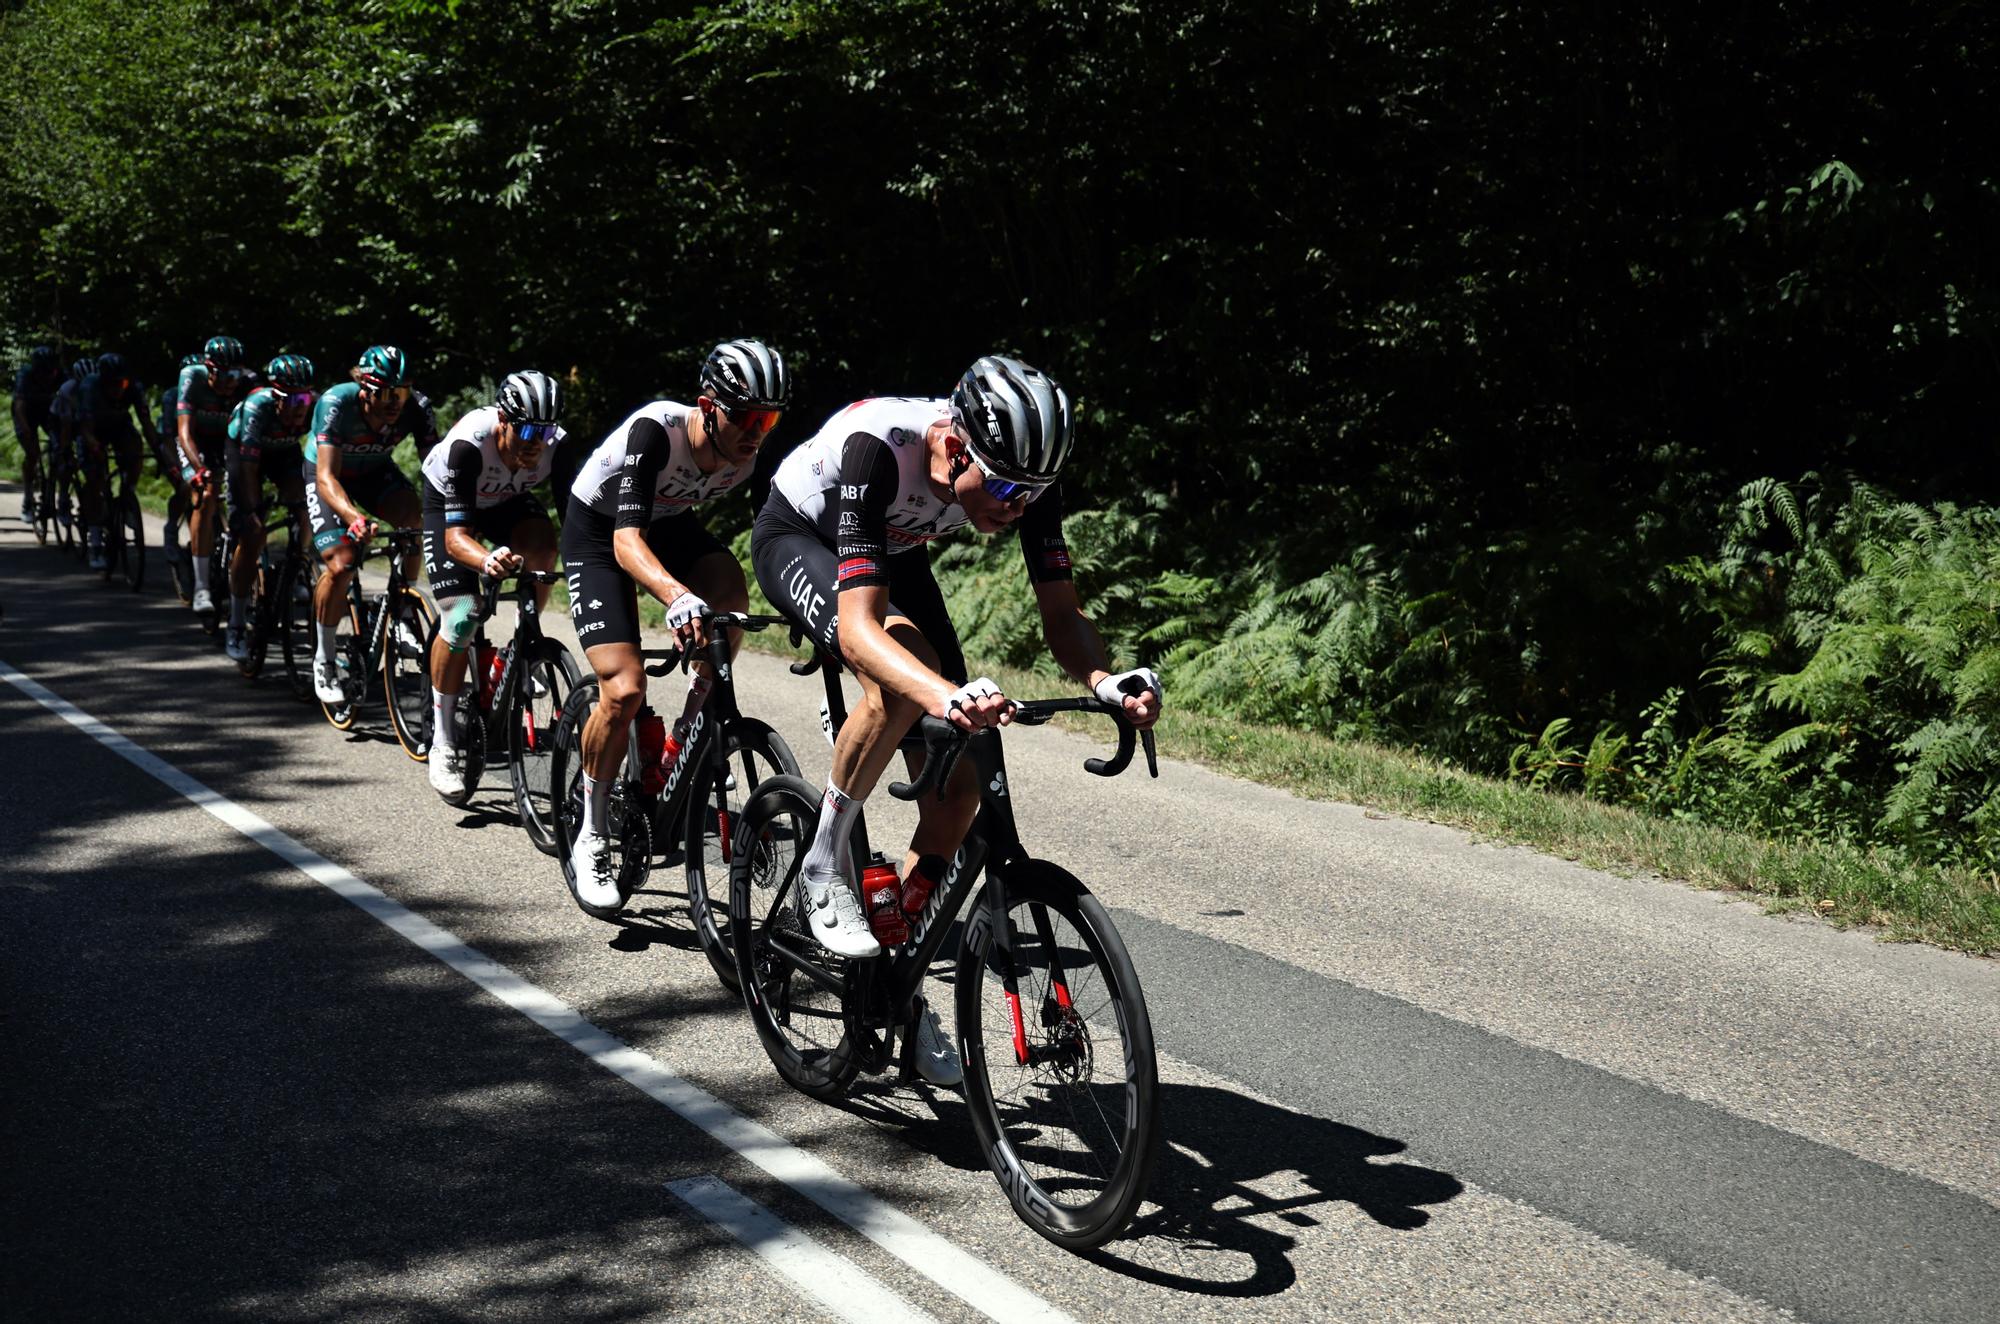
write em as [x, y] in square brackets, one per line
[290, 372]
[43, 358]
[382, 366]
[1016, 418]
[530, 397]
[81, 369]
[223, 352]
[111, 364]
[746, 374]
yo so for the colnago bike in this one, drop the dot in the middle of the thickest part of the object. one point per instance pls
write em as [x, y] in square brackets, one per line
[1053, 1032]
[509, 704]
[385, 635]
[690, 805]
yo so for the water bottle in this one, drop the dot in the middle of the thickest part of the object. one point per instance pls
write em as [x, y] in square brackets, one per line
[882, 901]
[487, 658]
[652, 735]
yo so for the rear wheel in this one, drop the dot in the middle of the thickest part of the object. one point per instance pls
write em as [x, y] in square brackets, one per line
[45, 498]
[544, 678]
[298, 631]
[1059, 1075]
[406, 669]
[350, 652]
[130, 531]
[794, 988]
[751, 752]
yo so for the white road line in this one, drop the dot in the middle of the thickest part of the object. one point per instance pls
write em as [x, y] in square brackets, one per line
[963, 1275]
[832, 1280]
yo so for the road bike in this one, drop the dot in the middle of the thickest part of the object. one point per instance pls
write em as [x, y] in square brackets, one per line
[124, 534]
[684, 805]
[281, 597]
[1053, 1033]
[508, 705]
[384, 636]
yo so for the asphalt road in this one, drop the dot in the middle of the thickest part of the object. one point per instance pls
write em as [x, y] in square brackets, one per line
[1407, 1076]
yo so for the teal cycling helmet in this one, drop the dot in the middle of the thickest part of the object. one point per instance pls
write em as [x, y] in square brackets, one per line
[223, 352]
[382, 366]
[290, 372]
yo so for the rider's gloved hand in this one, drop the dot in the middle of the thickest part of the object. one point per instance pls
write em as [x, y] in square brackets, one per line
[501, 561]
[977, 703]
[361, 529]
[684, 615]
[1130, 690]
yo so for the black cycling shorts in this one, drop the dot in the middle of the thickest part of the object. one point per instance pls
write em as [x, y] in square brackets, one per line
[279, 464]
[492, 525]
[603, 600]
[795, 568]
[370, 489]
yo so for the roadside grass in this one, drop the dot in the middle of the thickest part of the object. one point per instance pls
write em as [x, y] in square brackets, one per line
[1957, 909]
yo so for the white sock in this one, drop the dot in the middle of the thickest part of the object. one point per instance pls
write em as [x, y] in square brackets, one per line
[201, 568]
[833, 843]
[239, 607]
[442, 735]
[327, 646]
[596, 805]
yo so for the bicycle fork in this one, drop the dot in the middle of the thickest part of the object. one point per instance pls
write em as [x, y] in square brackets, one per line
[1063, 1011]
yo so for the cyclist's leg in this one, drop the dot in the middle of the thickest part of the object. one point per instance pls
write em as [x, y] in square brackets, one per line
[455, 588]
[337, 552]
[694, 556]
[243, 484]
[205, 517]
[604, 608]
[31, 463]
[395, 502]
[523, 525]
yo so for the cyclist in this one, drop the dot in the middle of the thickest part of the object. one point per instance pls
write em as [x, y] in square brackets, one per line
[839, 547]
[265, 432]
[167, 456]
[65, 407]
[107, 400]
[631, 524]
[207, 392]
[478, 491]
[350, 465]
[34, 391]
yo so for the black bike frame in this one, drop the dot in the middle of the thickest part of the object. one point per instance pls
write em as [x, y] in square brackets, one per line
[396, 543]
[527, 633]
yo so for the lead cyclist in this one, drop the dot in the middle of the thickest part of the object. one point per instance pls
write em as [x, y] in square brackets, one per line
[840, 548]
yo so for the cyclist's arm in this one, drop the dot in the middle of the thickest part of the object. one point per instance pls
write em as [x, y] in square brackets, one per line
[21, 427]
[326, 476]
[461, 491]
[871, 650]
[648, 444]
[184, 424]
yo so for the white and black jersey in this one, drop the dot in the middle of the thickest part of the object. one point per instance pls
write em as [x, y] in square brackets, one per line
[467, 473]
[645, 470]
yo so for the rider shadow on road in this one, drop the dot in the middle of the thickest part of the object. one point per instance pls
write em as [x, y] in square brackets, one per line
[1206, 1227]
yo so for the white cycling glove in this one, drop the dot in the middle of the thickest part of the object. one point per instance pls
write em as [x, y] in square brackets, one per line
[496, 561]
[1110, 691]
[684, 609]
[970, 693]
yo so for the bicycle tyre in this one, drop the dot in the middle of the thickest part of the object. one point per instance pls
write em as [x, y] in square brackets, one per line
[69, 497]
[531, 721]
[261, 619]
[629, 832]
[754, 752]
[406, 669]
[1116, 1138]
[350, 652]
[45, 499]
[297, 627]
[800, 1022]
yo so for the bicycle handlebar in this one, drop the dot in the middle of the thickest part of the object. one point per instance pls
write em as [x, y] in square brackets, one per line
[944, 743]
[676, 656]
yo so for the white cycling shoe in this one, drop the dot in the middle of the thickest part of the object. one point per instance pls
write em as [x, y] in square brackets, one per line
[835, 917]
[937, 1059]
[446, 769]
[326, 681]
[204, 601]
[236, 644]
[596, 871]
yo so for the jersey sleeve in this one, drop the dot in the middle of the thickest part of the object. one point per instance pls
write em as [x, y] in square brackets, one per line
[460, 489]
[258, 413]
[419, 420]
[1042, 543]
[647, 447]
[339, 418]
[858, 503]
[190, 375]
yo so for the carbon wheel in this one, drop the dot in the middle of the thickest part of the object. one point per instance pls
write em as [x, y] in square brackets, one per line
[544, 678]
[406, 669]
[752, 752]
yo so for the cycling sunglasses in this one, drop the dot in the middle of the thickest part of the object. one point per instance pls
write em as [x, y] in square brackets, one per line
[1002, 490]
[298, 399]
[535, 434]
[758, 421]
[399, 394]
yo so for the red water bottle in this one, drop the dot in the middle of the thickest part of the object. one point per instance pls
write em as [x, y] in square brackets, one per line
[918, 886]
[882, 901]
[652, 735]
[489, 673]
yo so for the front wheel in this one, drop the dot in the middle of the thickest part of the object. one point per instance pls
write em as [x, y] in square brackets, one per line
[1058, 1055]
[406, 669]
[751, 752]
[298, 630]
[795, 989]
[544, 678]
[350, 653]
